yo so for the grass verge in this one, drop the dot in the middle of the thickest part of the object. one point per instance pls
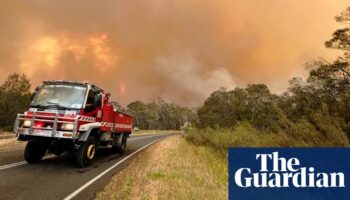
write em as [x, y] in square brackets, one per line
[245, 135]
[171, 169]
[9, 143]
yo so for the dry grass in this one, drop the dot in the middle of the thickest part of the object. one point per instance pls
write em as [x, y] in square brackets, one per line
[5, 133]
[303, 134]
[171, 169]
[10, 143]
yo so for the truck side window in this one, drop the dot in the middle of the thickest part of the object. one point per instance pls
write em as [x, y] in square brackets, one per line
[98, 99]
[91, 98]
[93, 101]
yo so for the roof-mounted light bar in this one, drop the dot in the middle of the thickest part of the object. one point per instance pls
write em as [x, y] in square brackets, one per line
[73, 83]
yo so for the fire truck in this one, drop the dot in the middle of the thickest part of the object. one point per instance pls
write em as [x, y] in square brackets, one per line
[74, 118]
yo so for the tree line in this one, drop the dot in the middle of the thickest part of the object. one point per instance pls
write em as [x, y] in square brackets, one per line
[311, 112]
[15, 97]
[160, 114]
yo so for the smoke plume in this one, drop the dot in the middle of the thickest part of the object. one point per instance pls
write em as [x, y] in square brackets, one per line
[175, 49]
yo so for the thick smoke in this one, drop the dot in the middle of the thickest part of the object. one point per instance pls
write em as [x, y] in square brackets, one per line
[178, 50]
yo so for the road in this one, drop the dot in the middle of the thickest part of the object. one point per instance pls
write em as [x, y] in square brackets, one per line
[58, 178]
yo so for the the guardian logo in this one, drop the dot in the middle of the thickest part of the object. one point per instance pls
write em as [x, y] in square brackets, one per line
[279, 172]
[289, 173]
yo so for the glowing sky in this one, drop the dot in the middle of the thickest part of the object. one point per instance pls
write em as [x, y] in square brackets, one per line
[180, 50]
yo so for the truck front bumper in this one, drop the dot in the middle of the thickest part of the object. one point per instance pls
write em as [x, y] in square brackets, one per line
[51, 131]
[44, 133]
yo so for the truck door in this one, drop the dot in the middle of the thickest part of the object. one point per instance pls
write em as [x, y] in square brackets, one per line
[93, 103]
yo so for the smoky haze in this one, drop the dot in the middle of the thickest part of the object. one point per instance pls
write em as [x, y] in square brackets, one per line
[175, 49]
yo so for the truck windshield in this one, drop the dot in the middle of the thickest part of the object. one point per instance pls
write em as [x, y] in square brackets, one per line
[60, 96]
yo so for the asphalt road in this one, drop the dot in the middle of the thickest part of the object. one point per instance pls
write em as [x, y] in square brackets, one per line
[59, 178]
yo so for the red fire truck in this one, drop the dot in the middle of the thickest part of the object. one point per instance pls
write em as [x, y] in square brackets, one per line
[72, 117]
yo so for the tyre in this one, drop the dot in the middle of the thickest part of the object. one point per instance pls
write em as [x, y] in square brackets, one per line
[86, 152]
[120, 148]
[34, 151]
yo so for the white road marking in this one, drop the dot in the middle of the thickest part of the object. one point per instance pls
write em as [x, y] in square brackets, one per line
[20, 163]
[77, 191]
[12, 165]
[136, 138]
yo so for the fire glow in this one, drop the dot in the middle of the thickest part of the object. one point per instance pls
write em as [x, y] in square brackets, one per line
[178, 50]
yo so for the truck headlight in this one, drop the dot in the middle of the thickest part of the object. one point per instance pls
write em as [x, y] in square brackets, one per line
[67, 127]
[27, 123]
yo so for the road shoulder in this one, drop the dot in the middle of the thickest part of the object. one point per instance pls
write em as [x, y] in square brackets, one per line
[171, 169]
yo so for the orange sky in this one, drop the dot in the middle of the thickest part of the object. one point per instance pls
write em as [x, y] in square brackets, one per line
[178, 50]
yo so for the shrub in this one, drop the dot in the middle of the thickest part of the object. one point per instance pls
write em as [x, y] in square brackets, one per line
[303, 134]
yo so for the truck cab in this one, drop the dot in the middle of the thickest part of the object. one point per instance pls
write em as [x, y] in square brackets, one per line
[71, 117]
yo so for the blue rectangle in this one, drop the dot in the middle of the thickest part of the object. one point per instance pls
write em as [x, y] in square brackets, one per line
[289, 173]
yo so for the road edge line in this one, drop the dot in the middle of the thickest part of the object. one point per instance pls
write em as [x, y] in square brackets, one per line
[7, 166]
[81, 188]
[2, 167]
[145, 137]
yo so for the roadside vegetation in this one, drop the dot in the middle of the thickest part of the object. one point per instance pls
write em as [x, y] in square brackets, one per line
[14, 98]
[171, 169]
[10, 143]
[160, 115]
[312, 112]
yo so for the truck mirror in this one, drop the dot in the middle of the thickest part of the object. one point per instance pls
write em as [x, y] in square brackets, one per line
[35, 92]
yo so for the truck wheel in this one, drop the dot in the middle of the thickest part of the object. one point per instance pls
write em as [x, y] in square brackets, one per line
[86, 152]
[34, 151]
[120, 148]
